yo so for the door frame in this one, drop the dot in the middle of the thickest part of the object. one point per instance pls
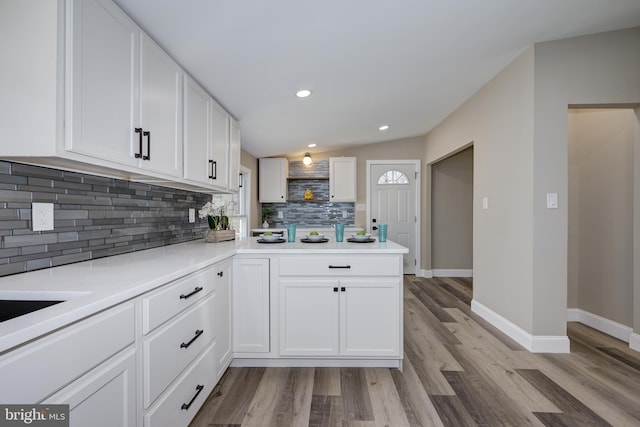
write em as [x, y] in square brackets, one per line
[417, 163]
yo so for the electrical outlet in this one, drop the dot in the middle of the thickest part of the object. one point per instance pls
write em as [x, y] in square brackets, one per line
[280, 214]
[42, 216]
[344, 214]
[192, 215]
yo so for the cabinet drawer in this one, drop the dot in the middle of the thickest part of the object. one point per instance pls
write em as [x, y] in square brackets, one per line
[162, 305]
[41, 368]
[336, 265]
[183, 400]
[173, 346]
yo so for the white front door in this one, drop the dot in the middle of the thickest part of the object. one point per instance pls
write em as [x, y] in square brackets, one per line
[393, 200]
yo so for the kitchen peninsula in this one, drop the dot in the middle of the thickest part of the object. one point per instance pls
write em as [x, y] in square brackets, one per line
[165, 323]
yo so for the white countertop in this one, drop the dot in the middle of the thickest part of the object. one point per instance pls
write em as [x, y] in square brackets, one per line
[91, 286]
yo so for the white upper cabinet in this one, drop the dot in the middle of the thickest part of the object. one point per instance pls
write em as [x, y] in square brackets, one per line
[160, 110]
[219, 153]
[197, 133]
[234, 156]
[125, 92]
[211, 141]
[104, 64]
[95, 94]
[342, 179]
[272, 179]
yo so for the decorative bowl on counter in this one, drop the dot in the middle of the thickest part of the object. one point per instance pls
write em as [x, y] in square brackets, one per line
[314, 237]
[270, 237]
[362, 237]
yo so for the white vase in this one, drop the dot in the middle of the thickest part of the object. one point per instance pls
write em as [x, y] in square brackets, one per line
[265, 224]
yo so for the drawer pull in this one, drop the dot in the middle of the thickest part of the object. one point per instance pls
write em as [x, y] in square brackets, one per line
[186, 406]
[198, 333]
[339, 266]
[195, 291]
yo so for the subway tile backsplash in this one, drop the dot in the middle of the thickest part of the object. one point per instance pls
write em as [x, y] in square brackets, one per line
[94, 217]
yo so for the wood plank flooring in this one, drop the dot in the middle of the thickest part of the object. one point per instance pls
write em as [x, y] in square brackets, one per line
[458, 371]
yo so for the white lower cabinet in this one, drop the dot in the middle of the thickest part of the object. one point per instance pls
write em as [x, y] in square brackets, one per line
[357, 317]
[104, 397]
[183, 399]
[222, 316]
[251, 305]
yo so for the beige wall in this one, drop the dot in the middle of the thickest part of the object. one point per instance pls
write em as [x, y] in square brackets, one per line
[601, 170]
[596, 69]
[400, 149]
[498, 119]
[251, 163]
[452, 212]
[518, 124]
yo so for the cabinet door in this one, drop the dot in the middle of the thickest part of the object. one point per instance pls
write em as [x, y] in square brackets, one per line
[342, 179]
[222, 316]
[250, 297]
[273, 180]
[103, 63]
[219, 153]
[105, 397]
[196, 141]
[160, 110]
[309, 317]
[234, 157]
[370, 317]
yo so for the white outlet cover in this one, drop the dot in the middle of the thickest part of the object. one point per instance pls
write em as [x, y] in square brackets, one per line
[42, 216]
[192, 215]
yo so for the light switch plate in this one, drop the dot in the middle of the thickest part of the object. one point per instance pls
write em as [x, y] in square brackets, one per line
[485, 203]
[552, 200]
[42, 216]
[192, 215]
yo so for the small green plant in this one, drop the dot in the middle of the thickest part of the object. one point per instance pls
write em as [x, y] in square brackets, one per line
[266, 214]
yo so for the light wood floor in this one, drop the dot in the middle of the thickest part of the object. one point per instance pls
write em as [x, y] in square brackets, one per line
[458, 371]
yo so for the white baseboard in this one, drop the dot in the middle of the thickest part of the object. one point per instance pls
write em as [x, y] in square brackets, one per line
[427, 274]
[602, 324]
[634, 342]
[533, 343]
[309, 363]
[443, 272]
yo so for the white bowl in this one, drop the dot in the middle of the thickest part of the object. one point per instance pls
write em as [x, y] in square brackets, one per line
[314, 238]
[361, 236]
[271, 238]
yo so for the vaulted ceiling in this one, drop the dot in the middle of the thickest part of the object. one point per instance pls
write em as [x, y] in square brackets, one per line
[404, 63]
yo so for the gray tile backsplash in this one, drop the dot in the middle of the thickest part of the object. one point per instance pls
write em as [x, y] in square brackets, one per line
[320, 211]
[94, 217]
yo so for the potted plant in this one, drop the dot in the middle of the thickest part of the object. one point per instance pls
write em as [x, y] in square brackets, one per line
[219, 224]
[266, 214]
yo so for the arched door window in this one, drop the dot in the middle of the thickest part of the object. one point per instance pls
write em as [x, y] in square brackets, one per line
[393, 177]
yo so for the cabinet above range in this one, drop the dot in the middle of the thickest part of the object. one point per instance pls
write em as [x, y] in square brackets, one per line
[276, 177]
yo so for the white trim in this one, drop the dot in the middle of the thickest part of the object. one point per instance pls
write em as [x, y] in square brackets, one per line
[602, 324]
[441, 272]
[634, 342]
[427, 274]
[533, 343]
[319, 363]
[418, 170]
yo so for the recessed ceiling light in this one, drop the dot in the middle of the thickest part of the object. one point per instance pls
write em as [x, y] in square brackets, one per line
[303, 93]
[384, 127]
[312, 145]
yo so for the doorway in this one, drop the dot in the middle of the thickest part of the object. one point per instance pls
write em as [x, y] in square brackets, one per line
[600, 250]
[452, 215]
[393, 187]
